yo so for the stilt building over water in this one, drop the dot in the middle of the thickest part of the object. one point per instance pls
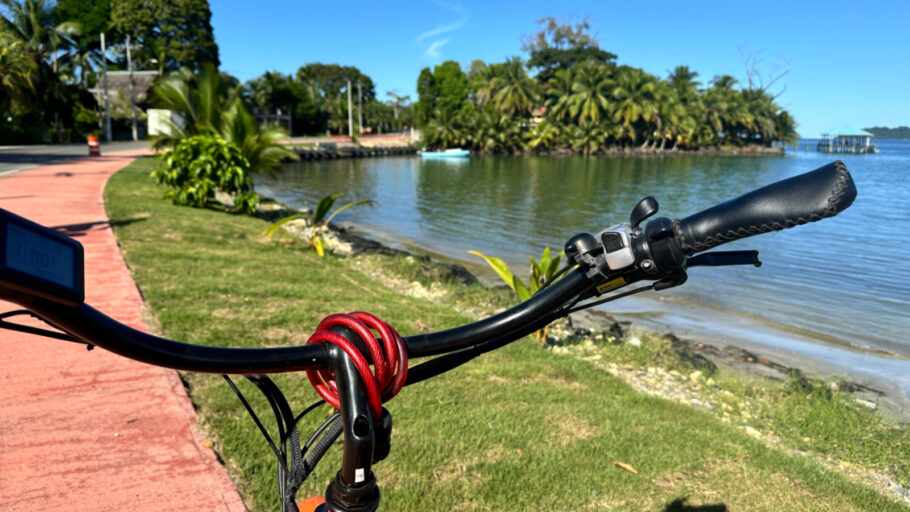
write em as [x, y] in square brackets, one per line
[846, 139]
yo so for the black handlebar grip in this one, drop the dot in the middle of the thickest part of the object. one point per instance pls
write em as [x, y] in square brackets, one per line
[809, 197]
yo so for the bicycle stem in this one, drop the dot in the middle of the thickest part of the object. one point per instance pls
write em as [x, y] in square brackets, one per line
[354, 486]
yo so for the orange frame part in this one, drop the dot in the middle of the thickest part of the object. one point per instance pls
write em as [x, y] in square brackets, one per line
[314, 504]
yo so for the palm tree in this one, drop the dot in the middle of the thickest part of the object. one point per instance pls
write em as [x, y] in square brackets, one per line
[545, 136]
[500, 132]
[444, 129]
[17, 71]
[683, 82]
[785, 127]
[559, 95]
[483, 84]
[206, 104]
[589, 136]
[31, 22]
[591, 92]
[515, 93]
[397, 101]
[634, 92]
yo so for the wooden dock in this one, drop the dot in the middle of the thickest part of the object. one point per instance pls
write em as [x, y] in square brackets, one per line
[827, 146]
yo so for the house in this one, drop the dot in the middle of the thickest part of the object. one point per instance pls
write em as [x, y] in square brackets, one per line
[846, 139]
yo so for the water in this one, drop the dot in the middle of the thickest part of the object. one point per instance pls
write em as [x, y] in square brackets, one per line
[843, 282]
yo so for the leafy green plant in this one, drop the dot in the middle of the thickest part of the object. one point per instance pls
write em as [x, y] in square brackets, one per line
[207, 104]
[199, 166]
[320, 218]
[539, 273]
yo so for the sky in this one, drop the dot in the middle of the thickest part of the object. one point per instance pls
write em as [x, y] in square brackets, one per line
[845, 62]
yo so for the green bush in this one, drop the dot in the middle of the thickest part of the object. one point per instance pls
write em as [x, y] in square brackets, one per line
[199, 166]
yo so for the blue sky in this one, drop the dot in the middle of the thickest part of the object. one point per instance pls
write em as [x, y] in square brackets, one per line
[848, 62]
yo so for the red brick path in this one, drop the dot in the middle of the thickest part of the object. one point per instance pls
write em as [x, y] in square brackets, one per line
[92, 431]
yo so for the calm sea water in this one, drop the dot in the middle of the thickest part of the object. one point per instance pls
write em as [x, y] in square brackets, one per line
[843, 281]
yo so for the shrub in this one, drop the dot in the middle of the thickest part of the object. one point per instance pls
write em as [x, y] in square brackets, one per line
[199, 166]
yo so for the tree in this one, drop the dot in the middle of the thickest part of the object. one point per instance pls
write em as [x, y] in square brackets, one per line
[427, 92]
[545, 135]
[29, 27]
[591, 92]
[589, 136]
[273, 91]
[92, 16]
[634, 93]
[397, 101]
[445, 89]
[183, 29]
[330, 80]
[444, 129]
[452, 85]
[559, 95]
[516, 93]
[561, 46]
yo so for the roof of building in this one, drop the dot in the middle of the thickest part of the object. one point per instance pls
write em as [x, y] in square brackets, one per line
[845, 130]
[118, 85]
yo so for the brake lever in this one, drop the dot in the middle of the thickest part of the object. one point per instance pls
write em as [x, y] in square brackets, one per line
[724, 258]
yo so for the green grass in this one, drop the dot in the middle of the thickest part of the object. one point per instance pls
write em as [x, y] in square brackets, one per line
[521, 428]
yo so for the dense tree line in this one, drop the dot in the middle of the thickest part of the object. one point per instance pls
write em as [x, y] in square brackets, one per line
[317, 98]
[580, 100]
[50, 56]
[882, 132]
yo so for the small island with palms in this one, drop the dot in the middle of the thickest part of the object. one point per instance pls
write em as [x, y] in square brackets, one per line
[581, 101]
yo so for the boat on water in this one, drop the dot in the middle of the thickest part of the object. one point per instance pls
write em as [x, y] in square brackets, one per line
[449, 153]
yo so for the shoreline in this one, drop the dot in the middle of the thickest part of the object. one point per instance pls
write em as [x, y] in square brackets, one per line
[342, 147]
[855, 368]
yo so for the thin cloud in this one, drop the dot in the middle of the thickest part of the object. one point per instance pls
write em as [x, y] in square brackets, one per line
[433, 50]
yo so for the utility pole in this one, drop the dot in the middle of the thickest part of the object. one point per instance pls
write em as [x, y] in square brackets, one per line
[129, 65]
[350, 113]
[360, 105]
[107, 101]
[289, 122]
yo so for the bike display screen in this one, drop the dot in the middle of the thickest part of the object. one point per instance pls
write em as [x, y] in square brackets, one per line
[40, 261]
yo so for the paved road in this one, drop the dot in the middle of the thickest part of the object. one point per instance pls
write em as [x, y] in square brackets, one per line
[17, 158]
[92, 431]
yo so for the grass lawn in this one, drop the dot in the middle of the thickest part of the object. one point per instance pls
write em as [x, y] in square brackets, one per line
[522, 428]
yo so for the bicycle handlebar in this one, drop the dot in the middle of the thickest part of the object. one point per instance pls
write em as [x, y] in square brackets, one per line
[95, 328]
[798, 200]
[809, 197]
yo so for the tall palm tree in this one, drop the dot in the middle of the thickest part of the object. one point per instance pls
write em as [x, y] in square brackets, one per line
[483, 84]
[559, 95]
[683, 82]
[17, 73]
[591, 92]
[634, 93]
[397, 101]
[31, 22]
[516, 93]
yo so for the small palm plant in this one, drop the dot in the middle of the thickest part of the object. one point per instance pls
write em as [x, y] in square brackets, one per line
[320, 218]
[540, 273]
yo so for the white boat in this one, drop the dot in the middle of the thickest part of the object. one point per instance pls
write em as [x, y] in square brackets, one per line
[449, 153]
